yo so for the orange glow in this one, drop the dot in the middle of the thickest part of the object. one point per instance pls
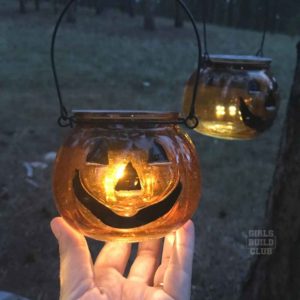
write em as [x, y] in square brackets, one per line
[129, 184]
[110, 180]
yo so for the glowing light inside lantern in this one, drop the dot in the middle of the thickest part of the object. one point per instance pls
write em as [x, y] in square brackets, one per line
[128, 183]
[232, 110]
[150, 182]
[120, 171]
[220, 111]
[111, 180]
[239, 90]
[109, 189]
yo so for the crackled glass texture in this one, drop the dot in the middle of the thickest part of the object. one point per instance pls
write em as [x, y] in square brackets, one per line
[237, 97]
[128, 181]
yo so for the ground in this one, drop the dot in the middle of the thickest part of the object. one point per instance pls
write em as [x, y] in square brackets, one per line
[110, 62]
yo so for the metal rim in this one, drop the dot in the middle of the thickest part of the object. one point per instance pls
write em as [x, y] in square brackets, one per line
[125, 116]
[239, 60]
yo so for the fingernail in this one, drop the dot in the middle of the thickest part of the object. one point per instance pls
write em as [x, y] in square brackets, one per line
[189, 225]
[55, 228]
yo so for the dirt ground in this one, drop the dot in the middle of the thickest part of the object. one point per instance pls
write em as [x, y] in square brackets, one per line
[110, 62]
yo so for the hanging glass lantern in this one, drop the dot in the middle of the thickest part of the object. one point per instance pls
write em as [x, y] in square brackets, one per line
[237, 96]
[126, 175]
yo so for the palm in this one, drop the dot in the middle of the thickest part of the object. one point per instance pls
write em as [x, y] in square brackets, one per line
[151, 276]
[115, 286]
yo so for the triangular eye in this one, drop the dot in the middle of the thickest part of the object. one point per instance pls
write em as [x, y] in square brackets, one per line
[157, 154]
[98, 154]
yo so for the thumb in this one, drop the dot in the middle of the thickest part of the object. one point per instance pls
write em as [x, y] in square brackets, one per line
[76, 272]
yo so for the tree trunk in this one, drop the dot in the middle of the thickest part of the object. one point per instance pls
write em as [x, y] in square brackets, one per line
[71, 15]
[274, 16]
[127, 6]
[259, 18]
[277, 276]
[99, 7]
[244, 13]
[55, 5]
[130, 8]
[211, 11]
[148, 8]
[219, 15]
[229, 13]
[22, 7]
[37, 5]
[178, 22]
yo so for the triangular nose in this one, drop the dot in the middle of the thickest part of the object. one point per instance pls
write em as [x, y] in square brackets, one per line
[130, 180]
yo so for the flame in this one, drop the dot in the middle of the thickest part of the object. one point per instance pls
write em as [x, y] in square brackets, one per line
[111, 179]
[119, 172]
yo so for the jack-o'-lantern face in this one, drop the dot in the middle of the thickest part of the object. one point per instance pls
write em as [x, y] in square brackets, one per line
[122, 180]
[129, 179]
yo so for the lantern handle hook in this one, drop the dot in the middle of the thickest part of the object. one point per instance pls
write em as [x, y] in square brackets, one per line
[67, 120]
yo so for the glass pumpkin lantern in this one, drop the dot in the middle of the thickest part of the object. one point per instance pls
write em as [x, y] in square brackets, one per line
[126, 176]
[123, 175]
[237, 96]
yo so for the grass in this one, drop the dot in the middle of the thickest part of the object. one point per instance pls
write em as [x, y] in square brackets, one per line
[102, 63]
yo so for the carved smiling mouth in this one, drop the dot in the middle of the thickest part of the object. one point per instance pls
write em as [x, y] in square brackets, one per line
[253, 121]
[110, 218]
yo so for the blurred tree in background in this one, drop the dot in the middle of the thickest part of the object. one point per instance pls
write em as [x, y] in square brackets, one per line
[283, 15]
[148, 10]
[277, 276]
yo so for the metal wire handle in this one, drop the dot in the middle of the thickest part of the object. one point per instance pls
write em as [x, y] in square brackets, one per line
[260, 51]
[66, 120]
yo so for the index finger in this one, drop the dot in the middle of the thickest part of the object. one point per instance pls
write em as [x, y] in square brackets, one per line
[76, 272]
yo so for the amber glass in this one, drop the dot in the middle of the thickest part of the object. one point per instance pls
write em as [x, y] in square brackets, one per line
[237, 97]
[126, 176]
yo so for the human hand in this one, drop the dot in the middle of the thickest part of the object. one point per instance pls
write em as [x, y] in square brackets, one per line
[104, 280]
